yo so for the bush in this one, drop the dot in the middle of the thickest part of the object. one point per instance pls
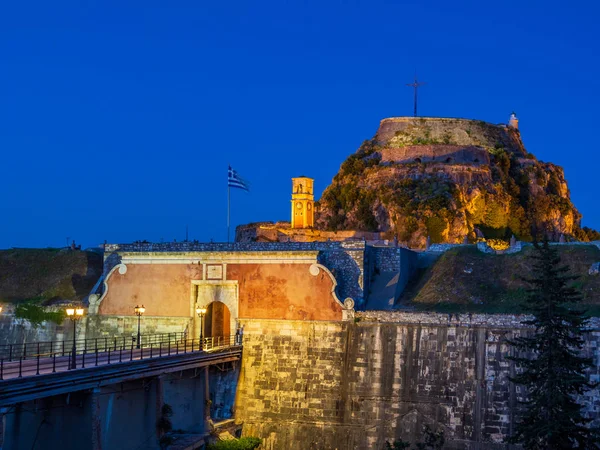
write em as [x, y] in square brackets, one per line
[245, 443]
[37, 314]
[498, 244]
[591, 234]
[436, 227]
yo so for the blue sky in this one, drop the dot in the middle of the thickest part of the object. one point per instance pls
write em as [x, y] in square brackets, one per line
[118, 119]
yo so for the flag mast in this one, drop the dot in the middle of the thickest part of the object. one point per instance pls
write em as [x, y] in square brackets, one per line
[233, 180]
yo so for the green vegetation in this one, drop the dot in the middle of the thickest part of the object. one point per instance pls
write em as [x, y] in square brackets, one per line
[44, 275]
[466, 280]
[245, 443]
[551, 369]
[590, 234]
[432, 440]
[37, 314]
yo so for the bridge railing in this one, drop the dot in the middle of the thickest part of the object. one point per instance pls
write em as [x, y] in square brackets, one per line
[35, 358]
[10, 352]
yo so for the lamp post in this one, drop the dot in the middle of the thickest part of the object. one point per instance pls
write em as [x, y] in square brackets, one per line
[139, 311]
[74, 314]
[201, 311]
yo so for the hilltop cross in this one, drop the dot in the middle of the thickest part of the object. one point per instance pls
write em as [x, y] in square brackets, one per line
[416, 86]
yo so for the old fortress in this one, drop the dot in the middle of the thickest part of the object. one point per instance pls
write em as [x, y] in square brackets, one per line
[327, 357]
[329, 361]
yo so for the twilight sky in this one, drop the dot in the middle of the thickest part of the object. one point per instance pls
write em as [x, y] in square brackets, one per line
[118, 119]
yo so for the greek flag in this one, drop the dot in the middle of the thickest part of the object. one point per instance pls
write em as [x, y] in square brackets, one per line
[235, 181]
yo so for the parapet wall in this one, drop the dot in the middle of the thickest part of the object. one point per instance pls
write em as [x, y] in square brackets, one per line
[282, 232]
[402, 131]
[448, 154]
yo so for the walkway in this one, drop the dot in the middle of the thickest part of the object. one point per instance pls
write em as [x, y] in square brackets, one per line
[42, 375]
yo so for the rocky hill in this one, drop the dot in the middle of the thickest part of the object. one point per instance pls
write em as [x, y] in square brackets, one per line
[451, 180]
[49, 274]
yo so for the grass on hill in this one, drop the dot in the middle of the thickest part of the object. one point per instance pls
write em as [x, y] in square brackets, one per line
[44, 275]
[466, 280]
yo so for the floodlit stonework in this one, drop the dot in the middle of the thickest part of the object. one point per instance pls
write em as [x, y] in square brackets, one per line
[346, 385]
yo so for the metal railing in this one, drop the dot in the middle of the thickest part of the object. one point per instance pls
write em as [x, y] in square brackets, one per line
[36, 358]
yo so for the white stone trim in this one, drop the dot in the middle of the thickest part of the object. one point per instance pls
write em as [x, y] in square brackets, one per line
[233, 307]
[348, 304]
[94, 302]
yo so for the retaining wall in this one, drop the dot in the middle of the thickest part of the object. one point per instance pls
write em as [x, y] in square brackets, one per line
[333, 385]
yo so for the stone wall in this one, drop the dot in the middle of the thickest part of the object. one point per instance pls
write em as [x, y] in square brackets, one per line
[447, 154]
[18, 331]
[399, 131]
[347, 264]
[332, 385]
[282, 232]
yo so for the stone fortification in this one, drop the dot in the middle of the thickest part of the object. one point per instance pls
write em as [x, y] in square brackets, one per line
[353, 263]
[447, 180]
[283, 232]
[401, 131]
[507, 321]
[18, 331]
[447, 154]
[348, 385]
[194, 246]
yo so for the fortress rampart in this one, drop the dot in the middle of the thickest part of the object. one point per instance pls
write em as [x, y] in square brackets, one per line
[395, 132]
[448, 154]
[357, 385]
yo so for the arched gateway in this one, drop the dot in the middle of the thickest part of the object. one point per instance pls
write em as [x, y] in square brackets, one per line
[217, 320]
[220, 298]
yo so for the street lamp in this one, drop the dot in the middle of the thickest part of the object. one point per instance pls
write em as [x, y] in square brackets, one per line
[139, 310]
[201, 311]
[74, 314]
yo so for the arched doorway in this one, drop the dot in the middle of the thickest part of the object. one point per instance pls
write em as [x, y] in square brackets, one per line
[220, 298]
[217, 321]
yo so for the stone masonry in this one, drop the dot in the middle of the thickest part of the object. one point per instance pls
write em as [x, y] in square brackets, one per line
[342, 385]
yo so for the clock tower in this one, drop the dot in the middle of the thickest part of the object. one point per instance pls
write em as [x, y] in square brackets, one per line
[303, 202]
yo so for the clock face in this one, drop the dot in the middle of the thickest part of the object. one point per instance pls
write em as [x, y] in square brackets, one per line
[299, 205]
[308, 206]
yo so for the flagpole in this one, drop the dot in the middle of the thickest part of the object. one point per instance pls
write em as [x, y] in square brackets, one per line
[228, 209]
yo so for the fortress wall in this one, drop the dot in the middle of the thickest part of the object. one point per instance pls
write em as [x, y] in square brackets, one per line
[284, 291]
[344, 259]
[164, 289]
[450, 154]
[347, 264]
[16, 331]
[332, 385]
[281, 232]
[397, 260]
[463, 132]
[275, 289]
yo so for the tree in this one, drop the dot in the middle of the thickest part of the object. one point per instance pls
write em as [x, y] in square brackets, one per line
[551, 369]
[434, 440]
